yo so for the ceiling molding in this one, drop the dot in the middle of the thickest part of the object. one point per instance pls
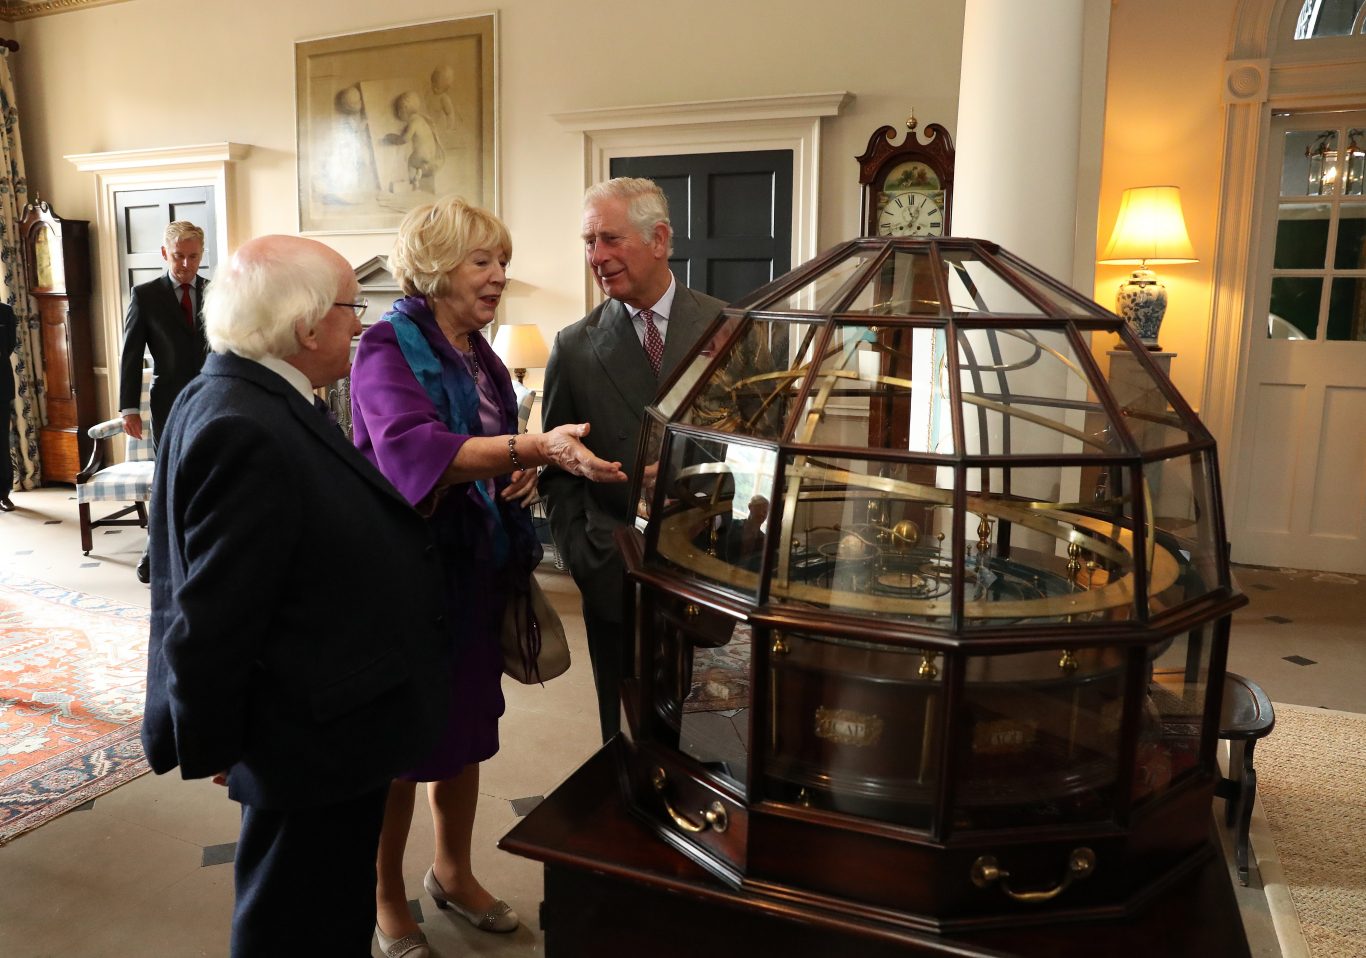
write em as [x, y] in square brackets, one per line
[28, 9]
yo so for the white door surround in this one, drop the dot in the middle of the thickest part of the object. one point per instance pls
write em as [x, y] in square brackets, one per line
[1266, 73]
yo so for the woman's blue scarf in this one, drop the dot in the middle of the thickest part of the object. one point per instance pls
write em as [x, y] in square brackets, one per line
[456, 398]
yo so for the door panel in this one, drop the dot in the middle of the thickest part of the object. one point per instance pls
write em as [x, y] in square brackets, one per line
[1280, 412]
[1303, 503]
[731, 214]
[1340, 481]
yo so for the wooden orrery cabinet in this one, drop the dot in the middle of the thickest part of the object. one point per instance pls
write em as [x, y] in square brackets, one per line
[930, 610]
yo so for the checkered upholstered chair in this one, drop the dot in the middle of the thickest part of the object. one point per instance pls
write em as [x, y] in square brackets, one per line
[128, 482]
[524, 403]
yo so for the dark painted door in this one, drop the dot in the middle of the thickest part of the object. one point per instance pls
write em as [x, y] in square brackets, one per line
[141, 217]
[731, 214]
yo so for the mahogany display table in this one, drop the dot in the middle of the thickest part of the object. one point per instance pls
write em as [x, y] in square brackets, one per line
[613, 888]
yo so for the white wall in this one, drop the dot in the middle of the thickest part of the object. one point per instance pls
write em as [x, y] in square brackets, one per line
[121, 77]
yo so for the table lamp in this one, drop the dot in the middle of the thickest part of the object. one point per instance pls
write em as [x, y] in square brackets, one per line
[1150, 229]
[521, 346]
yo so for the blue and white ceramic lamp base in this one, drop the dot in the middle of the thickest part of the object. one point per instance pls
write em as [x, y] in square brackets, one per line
[1142, 302]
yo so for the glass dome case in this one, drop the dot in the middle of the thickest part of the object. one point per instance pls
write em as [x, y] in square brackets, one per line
[930, 597]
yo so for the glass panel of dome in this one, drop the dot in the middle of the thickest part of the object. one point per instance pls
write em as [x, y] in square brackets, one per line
[753, 388]
[857, 727]
[649, 463]
[825, 291]
[699, 672]
[711, 525]
[1041, 551]
[695, 367]
[867, 537]
[1061, 303]
[903, 286]
[975, 287]
[1026, 392]
[1180, 494]
[1144, 402]
[1172, 714]
[880, 387]
[1038, 737]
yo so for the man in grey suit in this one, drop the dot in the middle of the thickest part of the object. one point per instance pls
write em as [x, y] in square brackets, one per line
[604, 370]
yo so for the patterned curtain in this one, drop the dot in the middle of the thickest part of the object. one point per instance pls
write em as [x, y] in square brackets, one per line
[27, 358]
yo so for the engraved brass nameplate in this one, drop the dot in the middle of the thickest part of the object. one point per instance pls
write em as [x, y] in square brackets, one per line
[847, 727]
[1004, 736]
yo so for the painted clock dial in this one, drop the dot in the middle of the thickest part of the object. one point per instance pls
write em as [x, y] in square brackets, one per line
[910, 214]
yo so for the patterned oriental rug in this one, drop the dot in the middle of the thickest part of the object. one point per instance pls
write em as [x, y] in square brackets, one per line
[72, 678]
[1310, 832]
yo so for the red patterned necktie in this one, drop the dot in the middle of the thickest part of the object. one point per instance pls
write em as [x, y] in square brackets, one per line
[654, 343]
[186, 305]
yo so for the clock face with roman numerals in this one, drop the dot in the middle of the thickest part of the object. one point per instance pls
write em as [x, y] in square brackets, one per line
[911, 213]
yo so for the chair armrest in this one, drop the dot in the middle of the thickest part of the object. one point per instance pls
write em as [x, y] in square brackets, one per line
[106, 430]
[101, 433]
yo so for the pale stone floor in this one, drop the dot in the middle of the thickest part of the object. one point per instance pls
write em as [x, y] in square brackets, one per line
[133, 874]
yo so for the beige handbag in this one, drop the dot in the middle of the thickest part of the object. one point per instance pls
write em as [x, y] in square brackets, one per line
[534, 645]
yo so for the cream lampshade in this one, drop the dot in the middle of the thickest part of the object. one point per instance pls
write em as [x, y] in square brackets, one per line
[1150, 229]
[521, 347]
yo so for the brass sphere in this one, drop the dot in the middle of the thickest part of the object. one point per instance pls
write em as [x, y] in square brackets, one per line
[905, 534]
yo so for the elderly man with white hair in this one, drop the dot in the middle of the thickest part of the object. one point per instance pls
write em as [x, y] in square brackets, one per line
[297, 652]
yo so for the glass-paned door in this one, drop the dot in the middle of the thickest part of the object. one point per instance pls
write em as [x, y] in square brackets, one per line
[1303, 501]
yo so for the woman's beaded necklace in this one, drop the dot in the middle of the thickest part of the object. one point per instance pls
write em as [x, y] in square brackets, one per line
[474, 357]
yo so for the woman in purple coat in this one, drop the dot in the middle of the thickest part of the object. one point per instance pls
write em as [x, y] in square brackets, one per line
[433, 409]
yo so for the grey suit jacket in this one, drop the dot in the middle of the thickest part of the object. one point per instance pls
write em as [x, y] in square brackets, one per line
[598, 374]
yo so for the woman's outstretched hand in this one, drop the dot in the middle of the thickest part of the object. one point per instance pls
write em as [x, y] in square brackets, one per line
[563, 448]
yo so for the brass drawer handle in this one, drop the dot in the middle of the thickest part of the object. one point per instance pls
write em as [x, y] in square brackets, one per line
[714, 817]
[1080, 864]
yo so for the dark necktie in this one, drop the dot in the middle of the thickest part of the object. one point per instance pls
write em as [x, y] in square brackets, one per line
[186, 305]
[654, 343]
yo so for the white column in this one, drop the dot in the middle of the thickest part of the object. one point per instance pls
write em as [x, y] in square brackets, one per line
[1019, 122]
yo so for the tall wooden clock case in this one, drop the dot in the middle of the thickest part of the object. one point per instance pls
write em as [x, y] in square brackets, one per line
[57, 263]
[907, 188]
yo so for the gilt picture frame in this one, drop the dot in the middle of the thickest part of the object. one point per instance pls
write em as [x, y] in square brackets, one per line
[391, 119]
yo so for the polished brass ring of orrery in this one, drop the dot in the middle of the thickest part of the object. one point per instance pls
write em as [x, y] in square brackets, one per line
[1104, 539]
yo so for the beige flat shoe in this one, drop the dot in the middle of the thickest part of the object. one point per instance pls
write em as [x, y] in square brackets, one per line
[410, 946]
[500, 917]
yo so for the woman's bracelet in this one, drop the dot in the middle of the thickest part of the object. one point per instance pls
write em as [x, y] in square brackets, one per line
[512, 453]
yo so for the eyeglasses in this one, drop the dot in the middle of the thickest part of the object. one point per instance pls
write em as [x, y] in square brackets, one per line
[359, 307]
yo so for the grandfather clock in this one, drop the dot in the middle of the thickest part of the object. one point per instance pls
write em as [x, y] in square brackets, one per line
[57, 262]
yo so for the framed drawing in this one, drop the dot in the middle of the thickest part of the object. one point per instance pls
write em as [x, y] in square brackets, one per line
[391, 119]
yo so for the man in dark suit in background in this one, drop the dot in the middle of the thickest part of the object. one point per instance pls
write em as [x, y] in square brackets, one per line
[9, 333]
[297, 649]
[165, 317]
[605, 369]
